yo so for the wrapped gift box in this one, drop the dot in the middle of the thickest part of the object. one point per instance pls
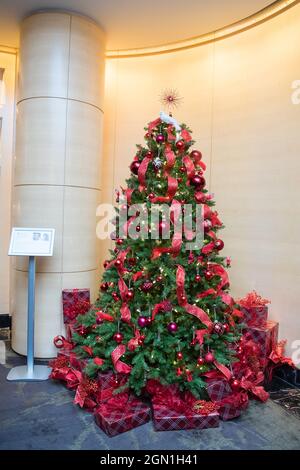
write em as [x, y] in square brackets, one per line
[121, 413]
[265, 337]
[255, 316]
[75, 302]
[232, 406]
[107, 385]
[218, 389]
[165, 419]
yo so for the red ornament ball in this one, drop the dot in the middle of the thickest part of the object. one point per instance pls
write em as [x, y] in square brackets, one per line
[142, 321]
[130, 295]
[115, 382]
[160, 138]
[99, 321]
[149, 154]
[151, 196]
[148, 135]
[138, 228]
[197, 278]
[179, 356]
[235, 384]
[207, 225]
[219, 244]
[118, 337]
[132, 261]
[218, 328]
[118, 263]
[200, 361]
[197, 181]
[172, 327]
[209, 357]
[196, 155]
[115, 296]
[146, 286]
[105, 264]
[148, 321]
[119, 241]
[182, 169]
[159, 278]
[208, 275]
[226, 327]
[134, 167]
[180, 145]
[178, 371]
[104, 286]
[183, 299]
[82, 330]
[193, 342]
[116, 251]
[140, 341]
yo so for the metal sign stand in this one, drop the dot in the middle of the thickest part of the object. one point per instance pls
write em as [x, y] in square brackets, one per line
[30, 372]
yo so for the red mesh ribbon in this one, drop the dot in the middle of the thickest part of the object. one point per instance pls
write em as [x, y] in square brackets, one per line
[118, 364]
[192, 309]
[61, 342]
[186, 135]
[252, 385]
[175, 247]
[128, 194]
[133, 343]
[171, 136]
[153, 124]
[125, 311]
[142, 172]
[170, 156]
[164, 306]
[189, 165]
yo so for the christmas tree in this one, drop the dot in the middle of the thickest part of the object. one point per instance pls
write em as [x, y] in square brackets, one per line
[164, 311]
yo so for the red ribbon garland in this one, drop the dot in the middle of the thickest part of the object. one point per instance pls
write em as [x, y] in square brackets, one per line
[142, 172]
[189, 165]
[118, 364]
[125, 311]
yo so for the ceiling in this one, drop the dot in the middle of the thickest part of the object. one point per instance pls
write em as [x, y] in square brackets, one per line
[136, 23]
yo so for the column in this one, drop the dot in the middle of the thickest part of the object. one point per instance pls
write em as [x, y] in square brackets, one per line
[58, 162]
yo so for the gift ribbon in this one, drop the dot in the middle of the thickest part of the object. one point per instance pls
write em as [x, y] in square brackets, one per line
[189, 165]
[118, 364]
[253, 300]
[164, 306]
[133, 343]
[61, 342]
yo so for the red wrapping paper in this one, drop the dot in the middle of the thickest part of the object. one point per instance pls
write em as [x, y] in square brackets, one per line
[255, 309]
[107, 388]
[173, 411]
[255, 316]
[218, 389]
[265, 337]
[166, 419]
[75, 302]
[121, 413]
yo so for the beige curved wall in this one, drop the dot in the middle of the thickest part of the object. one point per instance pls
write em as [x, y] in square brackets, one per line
[237, 99]
[57, 168]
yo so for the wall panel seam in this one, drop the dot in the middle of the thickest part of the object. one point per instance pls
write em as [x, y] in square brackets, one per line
[60, 98]
[58, 185]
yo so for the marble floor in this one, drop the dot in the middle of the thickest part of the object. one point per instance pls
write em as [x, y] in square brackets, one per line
[40, 415]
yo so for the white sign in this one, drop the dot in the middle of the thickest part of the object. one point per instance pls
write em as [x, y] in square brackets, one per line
[31, 241]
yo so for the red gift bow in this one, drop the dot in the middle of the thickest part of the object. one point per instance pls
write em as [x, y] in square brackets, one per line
[253, 300]
[237, 400]
[86, 393]
[118, 402]
[252, 386]
[277, 358]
